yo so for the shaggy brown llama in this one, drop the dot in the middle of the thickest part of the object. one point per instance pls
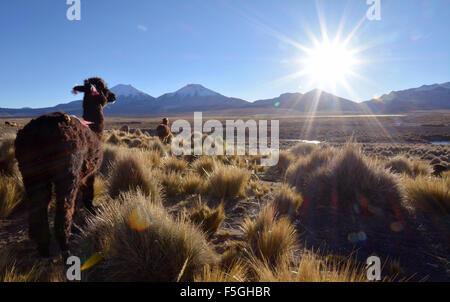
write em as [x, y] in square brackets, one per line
[56, 149]
[163, 131]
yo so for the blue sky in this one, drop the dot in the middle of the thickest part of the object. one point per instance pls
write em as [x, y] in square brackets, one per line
[240, 48]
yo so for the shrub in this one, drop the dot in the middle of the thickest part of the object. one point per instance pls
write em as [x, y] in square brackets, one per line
[228, 182]
[174, 164]
[11, 194]
[286, 201]
[204, 165]
[140, 242]
[431, 195]
[269, 239]
[130, 172]
[207, 219]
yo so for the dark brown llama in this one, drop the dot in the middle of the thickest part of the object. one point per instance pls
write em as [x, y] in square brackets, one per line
[163, 131]
[56, 149]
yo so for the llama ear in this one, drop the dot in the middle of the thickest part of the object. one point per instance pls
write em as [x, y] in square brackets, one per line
[94, 90]
[77, 89]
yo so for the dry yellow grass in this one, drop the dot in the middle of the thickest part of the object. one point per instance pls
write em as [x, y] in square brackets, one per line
[207, 219]
[429, 194]
[174, 164]
[228, 182]
[205, 165]
[11, 194]
[172, 184]
[286, 201]
[412, 168]
[17, 266]
[131, 172]
[310, 267]
[8, 164]
[269, 238]
[140, 242]
[302, 149]
[193, 184]
[237, 272]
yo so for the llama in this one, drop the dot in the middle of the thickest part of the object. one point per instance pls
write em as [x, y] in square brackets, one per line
[60, 150]
[163, 131]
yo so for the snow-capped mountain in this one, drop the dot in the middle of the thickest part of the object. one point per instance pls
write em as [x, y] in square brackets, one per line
[194, 90]
[128, 93]
[196, 97]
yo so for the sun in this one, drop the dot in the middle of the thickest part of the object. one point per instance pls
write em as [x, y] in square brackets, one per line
[329, 63]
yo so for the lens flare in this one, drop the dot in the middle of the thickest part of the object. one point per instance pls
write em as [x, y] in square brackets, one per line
[140, 219]
[396, 226]
[93, 260]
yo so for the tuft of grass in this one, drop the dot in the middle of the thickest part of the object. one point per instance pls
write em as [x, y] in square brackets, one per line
[237, 272]
[286, 201]
[130, 173]
[16, 265]
[207, 219]
[303, 149]
[152, 158]
[99, 187]
[258, 189]
[348, 178]
[8, 163]
[157, 146]
[310, 267]
[172, 184]
[113, 139]
[412, 168]
[298, 173]
[110, 155]
[205, 165]
[269, 238]
[446, 174]
[11, 194]
[193, 184]
[228, 182]
[430, 195]
[140, 242]
[174, 164]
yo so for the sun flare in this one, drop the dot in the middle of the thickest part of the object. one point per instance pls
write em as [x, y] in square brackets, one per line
[329, 63]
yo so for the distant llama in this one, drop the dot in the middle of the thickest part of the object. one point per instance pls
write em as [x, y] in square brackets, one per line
[163, 131]
[56, 149]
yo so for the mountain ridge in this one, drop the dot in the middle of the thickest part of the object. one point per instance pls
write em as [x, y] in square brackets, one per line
[196, 97]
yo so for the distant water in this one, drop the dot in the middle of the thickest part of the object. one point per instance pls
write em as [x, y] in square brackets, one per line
[441, 143]
[300, 141]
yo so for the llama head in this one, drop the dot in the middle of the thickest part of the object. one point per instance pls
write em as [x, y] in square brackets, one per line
[165, 121]
[96, 91]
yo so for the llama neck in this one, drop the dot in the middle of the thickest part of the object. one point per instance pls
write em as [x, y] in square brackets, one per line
[94, 113]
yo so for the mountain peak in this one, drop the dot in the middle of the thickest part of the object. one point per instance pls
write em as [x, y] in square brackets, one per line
[195, 90]
[127, 90]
